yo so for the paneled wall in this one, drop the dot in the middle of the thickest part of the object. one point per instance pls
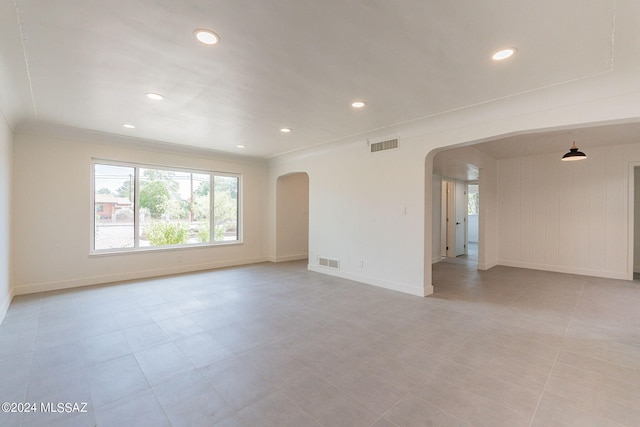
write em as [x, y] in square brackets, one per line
[567, 216]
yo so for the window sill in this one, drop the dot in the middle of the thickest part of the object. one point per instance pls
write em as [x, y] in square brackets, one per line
[146, 250]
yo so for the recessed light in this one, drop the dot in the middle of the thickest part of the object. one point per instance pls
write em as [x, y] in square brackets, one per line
[128, 126]
[358, 104]
[206, 36]
[285, 130]
[241, 146]
[155, 96]
[503, 54]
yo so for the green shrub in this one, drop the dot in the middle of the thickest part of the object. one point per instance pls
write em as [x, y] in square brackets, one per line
[162, 233]
[203, 232]
[218, 233]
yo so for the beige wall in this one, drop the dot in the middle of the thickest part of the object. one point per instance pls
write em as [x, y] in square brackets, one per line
[292, 233]
[5, 208]
[51, 250]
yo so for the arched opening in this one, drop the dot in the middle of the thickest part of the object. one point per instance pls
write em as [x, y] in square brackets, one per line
[450, 174]
[455, 209]
[292, 217]
[543, 214]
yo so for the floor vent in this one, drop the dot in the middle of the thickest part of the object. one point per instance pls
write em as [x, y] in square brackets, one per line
[389, 144]
[331, 263]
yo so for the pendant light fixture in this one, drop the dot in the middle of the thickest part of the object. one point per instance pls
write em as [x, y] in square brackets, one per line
[573, 154]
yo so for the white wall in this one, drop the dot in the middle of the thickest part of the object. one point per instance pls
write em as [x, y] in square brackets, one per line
[472, 228]
[5, 210]
[292, 231]
[488, 222]
[472, 220]
[374, 208]
[364, 207]
[51, 211]
[567, 217]
[436, 220]
[357, 199]
[453, 162]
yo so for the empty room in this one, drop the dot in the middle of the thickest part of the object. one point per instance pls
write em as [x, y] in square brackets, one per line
[290, 213]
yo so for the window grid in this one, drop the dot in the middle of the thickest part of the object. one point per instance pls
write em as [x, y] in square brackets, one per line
[171, 207]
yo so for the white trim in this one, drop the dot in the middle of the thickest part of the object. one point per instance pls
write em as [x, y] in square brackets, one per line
[444, 212]
[162, 166]
[630, 222]
[239, 207]
[166, 248]
[4, 307]
[136, 205]
[565, 269]
[62, 132]
[436, 259]
[487, 266]
[395, 286]
[286, 258]
[119, 277]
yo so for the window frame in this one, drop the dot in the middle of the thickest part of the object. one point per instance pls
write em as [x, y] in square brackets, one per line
[136, 209]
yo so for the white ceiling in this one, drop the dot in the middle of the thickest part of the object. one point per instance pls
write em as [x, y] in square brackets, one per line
[284, 63]
[560, 141]
[464, 163]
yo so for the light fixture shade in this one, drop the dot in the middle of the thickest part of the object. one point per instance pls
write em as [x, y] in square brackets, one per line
[573, 154]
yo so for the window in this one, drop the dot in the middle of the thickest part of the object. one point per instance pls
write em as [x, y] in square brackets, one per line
[473, 200]
[139, 207]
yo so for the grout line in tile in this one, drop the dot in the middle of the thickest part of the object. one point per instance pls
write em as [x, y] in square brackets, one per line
[544, 389]
[389, 410]
[533, 417]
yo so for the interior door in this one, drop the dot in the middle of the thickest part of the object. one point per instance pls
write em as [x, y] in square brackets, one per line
[460, 209]
[444, 219]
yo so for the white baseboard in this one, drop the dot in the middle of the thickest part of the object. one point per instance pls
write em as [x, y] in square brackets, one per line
[564, 269]
[395, 286]
[428, 290]
[487, 265]
[4, 306]
[286, 258]
[436, 259]
[120, 277]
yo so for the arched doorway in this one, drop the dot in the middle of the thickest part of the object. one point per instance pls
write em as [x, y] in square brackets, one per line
[292, 217]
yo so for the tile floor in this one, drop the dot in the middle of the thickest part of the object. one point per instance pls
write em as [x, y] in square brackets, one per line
[277, 345]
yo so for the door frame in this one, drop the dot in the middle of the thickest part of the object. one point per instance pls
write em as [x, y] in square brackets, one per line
[448, 226]
[631, 220]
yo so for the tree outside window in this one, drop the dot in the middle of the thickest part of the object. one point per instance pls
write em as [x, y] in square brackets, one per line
[173, 207]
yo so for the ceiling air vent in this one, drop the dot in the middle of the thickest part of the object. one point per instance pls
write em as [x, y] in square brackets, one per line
[389, 144]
